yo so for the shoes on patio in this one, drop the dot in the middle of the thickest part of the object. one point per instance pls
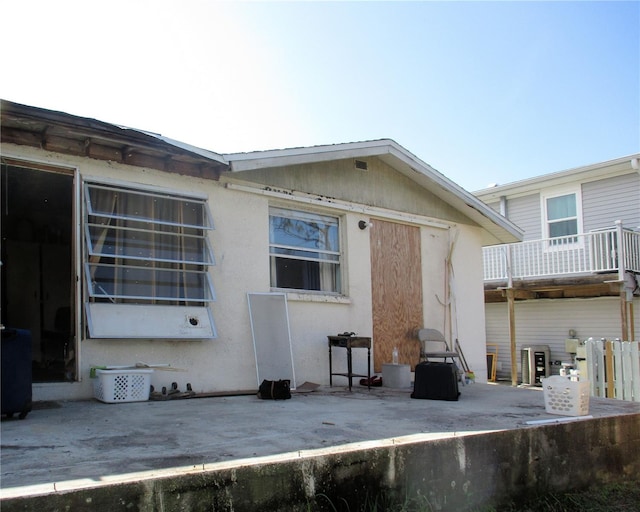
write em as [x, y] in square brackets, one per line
[375, 380]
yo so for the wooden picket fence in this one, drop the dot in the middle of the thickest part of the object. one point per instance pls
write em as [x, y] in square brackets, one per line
[614, 369]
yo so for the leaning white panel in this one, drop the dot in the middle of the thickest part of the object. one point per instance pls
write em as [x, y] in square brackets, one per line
[149, 321]
[269, 316]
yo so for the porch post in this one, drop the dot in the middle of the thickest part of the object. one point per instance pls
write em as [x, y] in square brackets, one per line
[622, 258]
[512, 335]
[512, 319]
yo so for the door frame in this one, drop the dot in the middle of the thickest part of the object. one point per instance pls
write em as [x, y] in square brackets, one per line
[43, 165]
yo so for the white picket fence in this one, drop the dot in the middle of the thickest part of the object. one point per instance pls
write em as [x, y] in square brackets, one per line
[613, 369]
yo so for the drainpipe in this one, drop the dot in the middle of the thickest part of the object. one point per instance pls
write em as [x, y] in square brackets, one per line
[503, 206]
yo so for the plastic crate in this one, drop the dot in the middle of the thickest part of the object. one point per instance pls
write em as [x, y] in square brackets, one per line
[118, 386]
[566, 397]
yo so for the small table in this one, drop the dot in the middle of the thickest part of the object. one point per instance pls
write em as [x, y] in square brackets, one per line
[350, 342]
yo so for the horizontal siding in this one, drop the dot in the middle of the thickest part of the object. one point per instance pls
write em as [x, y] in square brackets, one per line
[524, 212]
[494, 206]
[611, 199]
[547, 322]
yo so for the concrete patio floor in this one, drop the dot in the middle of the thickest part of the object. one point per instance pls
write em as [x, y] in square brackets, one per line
[75, 444]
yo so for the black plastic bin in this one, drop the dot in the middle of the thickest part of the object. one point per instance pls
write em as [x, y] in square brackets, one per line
[16, 372]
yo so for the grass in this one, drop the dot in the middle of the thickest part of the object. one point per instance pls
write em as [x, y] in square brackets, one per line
[621, 497]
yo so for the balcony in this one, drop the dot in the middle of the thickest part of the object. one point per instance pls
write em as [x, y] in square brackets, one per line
[551, 264]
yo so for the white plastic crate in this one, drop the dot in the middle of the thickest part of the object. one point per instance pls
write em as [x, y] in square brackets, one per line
[566, 397]
[117, 386]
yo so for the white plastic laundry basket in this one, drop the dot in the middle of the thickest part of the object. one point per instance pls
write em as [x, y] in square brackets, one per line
[117, 386]
[566, 397]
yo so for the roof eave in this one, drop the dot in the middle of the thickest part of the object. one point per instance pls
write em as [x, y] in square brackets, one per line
[592, 172]
[65, 133]
[497, 229]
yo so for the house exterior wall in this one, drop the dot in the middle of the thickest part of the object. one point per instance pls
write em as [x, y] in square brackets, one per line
[340, 179]
[469, 320]
[548, 321]
[610, 199]
[240, 244]
[603, 202]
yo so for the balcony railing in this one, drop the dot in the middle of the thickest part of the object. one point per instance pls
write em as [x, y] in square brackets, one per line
[603, 251]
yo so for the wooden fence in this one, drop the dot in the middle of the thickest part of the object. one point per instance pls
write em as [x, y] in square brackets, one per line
[613, 369]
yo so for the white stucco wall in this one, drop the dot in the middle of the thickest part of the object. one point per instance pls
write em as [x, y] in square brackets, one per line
[241, 248]
[468, 291]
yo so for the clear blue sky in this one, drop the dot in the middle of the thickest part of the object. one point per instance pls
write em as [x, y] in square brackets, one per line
[485, 92]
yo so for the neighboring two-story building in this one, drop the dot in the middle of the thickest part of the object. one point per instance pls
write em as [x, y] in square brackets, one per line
[576, 273]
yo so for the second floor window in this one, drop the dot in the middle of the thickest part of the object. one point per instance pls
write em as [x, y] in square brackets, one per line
[304, 251]
[562, 216]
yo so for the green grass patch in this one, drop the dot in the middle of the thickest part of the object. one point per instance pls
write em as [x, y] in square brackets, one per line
[619, 497]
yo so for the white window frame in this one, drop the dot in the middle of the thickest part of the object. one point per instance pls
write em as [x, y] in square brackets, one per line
[559, 192]
[321, 256]
[139, 307]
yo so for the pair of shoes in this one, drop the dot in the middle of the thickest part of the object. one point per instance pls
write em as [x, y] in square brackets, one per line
[373, 381]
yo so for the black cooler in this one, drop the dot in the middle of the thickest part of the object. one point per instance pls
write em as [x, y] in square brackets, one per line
[16, 372]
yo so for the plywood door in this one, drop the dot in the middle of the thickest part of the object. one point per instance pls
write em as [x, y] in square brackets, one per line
[396, 283]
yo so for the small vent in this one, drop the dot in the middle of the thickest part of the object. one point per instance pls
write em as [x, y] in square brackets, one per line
[362, 165]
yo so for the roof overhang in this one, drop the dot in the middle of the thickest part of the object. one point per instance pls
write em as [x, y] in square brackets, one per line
[496, 228]
[584, 174]
[65, 133]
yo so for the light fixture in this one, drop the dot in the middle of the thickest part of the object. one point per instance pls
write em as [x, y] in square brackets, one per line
[363, 224]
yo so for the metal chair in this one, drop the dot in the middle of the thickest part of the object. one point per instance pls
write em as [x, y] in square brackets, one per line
[434, 345]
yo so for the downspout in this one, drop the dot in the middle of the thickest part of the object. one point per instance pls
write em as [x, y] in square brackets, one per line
[503, 206]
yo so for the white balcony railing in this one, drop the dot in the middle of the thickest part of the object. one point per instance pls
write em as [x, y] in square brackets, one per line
[603, 251]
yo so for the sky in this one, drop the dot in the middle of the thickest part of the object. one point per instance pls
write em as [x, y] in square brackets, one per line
[484, 92]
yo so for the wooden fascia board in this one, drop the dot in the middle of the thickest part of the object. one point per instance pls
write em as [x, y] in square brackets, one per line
[57, 131]
[129, 154]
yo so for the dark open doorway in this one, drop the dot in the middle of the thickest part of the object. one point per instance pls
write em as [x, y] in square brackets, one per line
[37, 256]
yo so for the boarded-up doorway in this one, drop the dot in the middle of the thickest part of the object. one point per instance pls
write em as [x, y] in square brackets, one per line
[396, 283]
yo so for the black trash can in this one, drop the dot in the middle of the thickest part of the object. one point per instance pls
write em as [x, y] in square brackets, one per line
[16, 372]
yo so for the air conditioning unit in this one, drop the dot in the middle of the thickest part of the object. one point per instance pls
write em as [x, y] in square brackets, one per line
[535, 364]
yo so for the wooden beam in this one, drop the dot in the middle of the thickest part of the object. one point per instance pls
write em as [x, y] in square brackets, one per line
[624, 326]
[512, 336]
[519, 294]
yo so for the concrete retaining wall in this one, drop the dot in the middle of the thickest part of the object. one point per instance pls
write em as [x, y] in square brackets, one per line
[460, 472]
